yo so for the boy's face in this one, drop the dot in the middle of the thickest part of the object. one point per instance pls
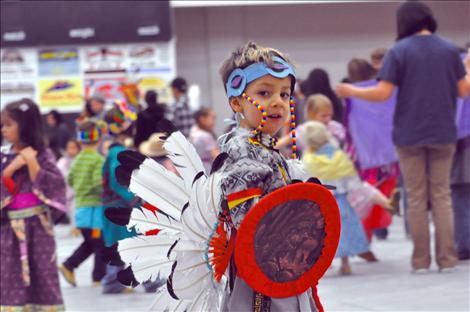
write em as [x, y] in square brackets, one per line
[274, 95]
[208, 121]
[72, 149]
[323, 115]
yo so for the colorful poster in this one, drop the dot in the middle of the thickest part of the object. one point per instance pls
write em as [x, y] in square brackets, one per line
[159, 84]
[61, 93]
[109, 87]
[58, 61]
[104, 59]
[18, 64]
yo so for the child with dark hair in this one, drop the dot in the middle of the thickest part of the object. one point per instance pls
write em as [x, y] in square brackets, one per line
[94, 108]
[424, 130]
[180, 113]
[32, 196]
[85, 180]
[57, 132]
[203, 138]
[147, 120]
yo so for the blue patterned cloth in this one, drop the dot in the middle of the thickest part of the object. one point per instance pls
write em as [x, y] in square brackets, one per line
[352, 239]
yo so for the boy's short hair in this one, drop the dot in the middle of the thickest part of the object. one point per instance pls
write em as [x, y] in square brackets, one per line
[378, 54]
[88, 132]
[314, 134]
[180, 84]
[246, 55]
[317, 101]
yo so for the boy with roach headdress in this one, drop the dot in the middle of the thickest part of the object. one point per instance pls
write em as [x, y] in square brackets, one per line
[252, 218]
[259, 83]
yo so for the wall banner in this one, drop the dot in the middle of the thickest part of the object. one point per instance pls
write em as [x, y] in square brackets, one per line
[58, 61]
[61, 93]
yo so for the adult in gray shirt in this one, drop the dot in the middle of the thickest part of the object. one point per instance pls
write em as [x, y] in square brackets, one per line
[430, 76]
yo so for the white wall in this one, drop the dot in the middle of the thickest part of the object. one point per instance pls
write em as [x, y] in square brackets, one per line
[323, 35]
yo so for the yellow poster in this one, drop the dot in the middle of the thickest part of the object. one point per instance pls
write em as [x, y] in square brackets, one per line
[159, 84]
[61, 93]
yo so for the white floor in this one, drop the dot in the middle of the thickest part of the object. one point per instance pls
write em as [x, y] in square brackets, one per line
[386, 285]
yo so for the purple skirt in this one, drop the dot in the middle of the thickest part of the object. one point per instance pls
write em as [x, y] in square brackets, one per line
[43, 292]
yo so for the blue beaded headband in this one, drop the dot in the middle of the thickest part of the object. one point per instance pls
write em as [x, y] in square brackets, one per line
[240, 78]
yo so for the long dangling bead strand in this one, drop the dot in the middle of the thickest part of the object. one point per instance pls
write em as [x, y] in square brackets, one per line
[292, 127]
[264, 115]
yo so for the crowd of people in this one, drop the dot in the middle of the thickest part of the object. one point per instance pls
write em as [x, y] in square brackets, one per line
[54, 172]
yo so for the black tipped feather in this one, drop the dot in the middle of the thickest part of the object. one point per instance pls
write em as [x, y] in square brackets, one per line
[166, 126]
[184, 207]
[123, 175]
[169, 283]
[200, 174]
[127, 278]
[171, 248]
[218, 162]
[118, 215]
[131, 159]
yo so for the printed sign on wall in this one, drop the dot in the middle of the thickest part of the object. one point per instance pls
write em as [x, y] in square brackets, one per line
[104, 59]
[58, 61]
[59, 93]
[16, 90]
[18, 64]
[108, 88]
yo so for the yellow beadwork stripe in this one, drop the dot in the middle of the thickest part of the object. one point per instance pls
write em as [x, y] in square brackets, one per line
[236, 202]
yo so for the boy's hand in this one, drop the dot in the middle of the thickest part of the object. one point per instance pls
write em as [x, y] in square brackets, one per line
[16, 164]
[344, 90]
[28, 153]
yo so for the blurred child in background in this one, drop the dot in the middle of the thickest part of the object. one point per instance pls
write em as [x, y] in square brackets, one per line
[85, 180]
[203, 138]
[64, 164]
[325, 160]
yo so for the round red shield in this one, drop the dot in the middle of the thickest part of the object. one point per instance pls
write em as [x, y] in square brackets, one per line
[288, 239]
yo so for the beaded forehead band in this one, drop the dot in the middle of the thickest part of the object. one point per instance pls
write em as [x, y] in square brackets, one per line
[240, 78]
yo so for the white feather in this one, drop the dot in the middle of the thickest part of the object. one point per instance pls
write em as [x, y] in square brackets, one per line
[184, 156]
[147, 194]
[147, 256]
[198, 217]
[160, 187]
[192, 229]
[164, 302]
[192, 273]
[144, 220]
[214, 193]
